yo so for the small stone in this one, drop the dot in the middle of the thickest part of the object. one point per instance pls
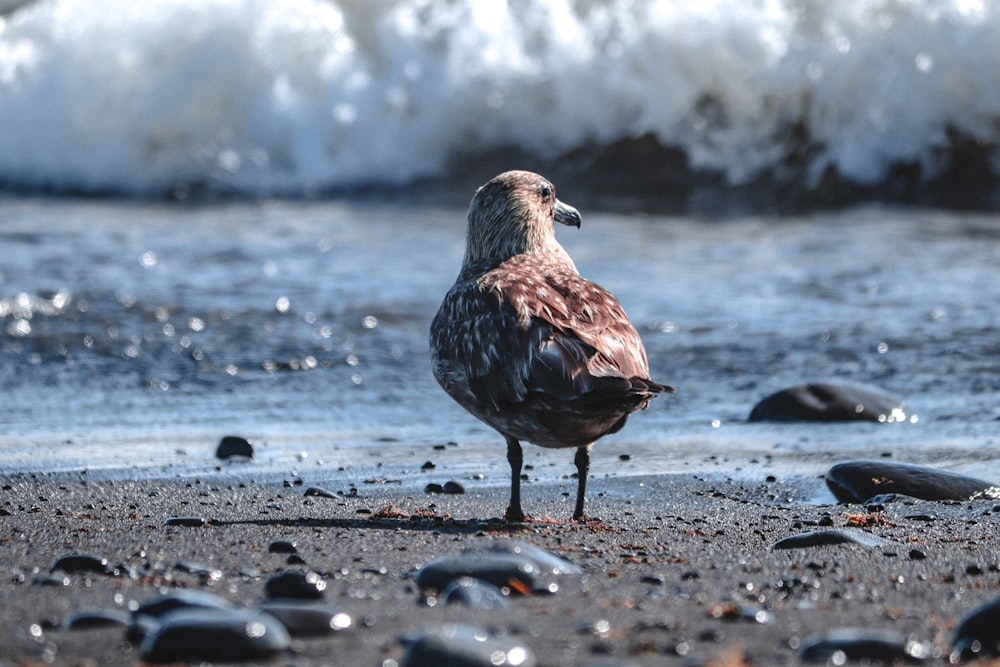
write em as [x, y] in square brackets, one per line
[511, 571]
[318, 492]
[917, 554]
[295, 584]
[234, 448]
[860, 644]
[465, 646]
[194, 635]
[453, 487]
[433, 487]
[181, 599]
[829, 536]
[186, 521]
[74, 563]
[282, 547]
[428, 465]
[306, 618]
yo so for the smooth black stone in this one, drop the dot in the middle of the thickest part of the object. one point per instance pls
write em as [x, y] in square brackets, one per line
[820, 538]
[465, 646]
[474, 593]
[282, 547]
[433, 487]
[544, 560]
[187, 635]
[857, 481]
[823, 402]
[978, 634]
[236, 447]
[53, 579]
[182, 599]
[859, 644]
[74, 563]
[307, 619]
[295, 584]
[502, 570]
[322, 493]
[453, 487]
[88, 619]
[187, 521]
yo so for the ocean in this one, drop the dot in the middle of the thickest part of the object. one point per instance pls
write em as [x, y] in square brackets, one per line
[239, 217]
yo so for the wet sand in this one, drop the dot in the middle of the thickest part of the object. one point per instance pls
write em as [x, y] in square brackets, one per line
[676, 568]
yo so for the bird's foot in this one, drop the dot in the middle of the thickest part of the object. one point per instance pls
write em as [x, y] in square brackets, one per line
[516, 515]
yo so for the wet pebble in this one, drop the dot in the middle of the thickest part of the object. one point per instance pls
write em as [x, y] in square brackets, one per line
[87, 619]
[978, 634]
[822, 402]
[188, 635]
[453, 487]
[474, 593]
[304, 618]
[282, 547]
[511, 571]
[181, 599]
[819, 538]
[318, 492]
[74, 563]
[857, 481]
[545, 561]
[234, 448]
[295, 584]
[465, 646]
[861, 644]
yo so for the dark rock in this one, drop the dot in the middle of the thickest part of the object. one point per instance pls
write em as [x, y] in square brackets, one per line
[74, 563]
[234, 447]
[829, 536]
[322, 493]
[188, 521]
[978, 634]
[433, 487]
[188, 635]
[54, 579]
[182, 599]
[857, 481]
[511, 571]
[307, 619]
[474, 593]
[453, 488]
[821, 402]
[295, 584]
[88, 619]
[544, 560]
[866, 644]
[465, 646]
[282, 547]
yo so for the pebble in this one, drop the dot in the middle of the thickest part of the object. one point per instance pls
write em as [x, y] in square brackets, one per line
[857, 481]
[282, 547]
[188, 521]
[544, 560]
[511, 571]
[233, 447]
[307, 619]
[88, 619]
[823, 402]
[74, 563]
[819, 538]
[465, 646]
[189, 635]
[474, 593]
[182, 599]
[453, 487]
[295, 584]
[317, 491]
[978, 634]
[861, 644]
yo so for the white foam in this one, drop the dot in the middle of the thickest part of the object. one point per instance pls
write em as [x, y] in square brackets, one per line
[273, 97]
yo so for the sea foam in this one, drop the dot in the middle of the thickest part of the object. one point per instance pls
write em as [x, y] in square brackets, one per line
[292, 97]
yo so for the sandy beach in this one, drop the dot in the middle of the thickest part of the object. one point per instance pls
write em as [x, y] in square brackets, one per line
[677, 569]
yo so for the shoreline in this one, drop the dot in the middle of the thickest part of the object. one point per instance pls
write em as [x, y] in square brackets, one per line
[678, 569]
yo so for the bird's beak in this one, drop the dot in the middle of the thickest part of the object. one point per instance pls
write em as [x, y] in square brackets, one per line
[567, 215]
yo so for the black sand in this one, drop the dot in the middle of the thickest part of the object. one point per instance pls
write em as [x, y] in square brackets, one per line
[675, 572]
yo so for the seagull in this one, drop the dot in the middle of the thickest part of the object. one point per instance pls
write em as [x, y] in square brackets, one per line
[526, 344]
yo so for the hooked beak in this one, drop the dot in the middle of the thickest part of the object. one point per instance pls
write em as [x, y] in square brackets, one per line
[567, 215]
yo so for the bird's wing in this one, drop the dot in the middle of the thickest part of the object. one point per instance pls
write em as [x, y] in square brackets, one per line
[520, 328]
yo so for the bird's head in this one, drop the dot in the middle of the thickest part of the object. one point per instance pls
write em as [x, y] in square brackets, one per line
[513, 214]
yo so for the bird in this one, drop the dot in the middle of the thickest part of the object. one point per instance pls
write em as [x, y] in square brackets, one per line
[526, 344]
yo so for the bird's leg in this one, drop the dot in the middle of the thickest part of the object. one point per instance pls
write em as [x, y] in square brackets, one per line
[582, 461]
[515, 457]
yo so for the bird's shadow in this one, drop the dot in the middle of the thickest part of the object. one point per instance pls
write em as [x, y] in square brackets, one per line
[450, 526]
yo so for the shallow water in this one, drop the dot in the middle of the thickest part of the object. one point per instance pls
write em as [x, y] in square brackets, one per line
[133, 336]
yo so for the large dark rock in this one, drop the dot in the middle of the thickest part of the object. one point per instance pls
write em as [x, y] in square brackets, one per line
[978, 635]
[465, 646]
[822, 402]
[217, 635]
[857, 481]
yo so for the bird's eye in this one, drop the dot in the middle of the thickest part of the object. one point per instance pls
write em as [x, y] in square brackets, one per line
[546, 192]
